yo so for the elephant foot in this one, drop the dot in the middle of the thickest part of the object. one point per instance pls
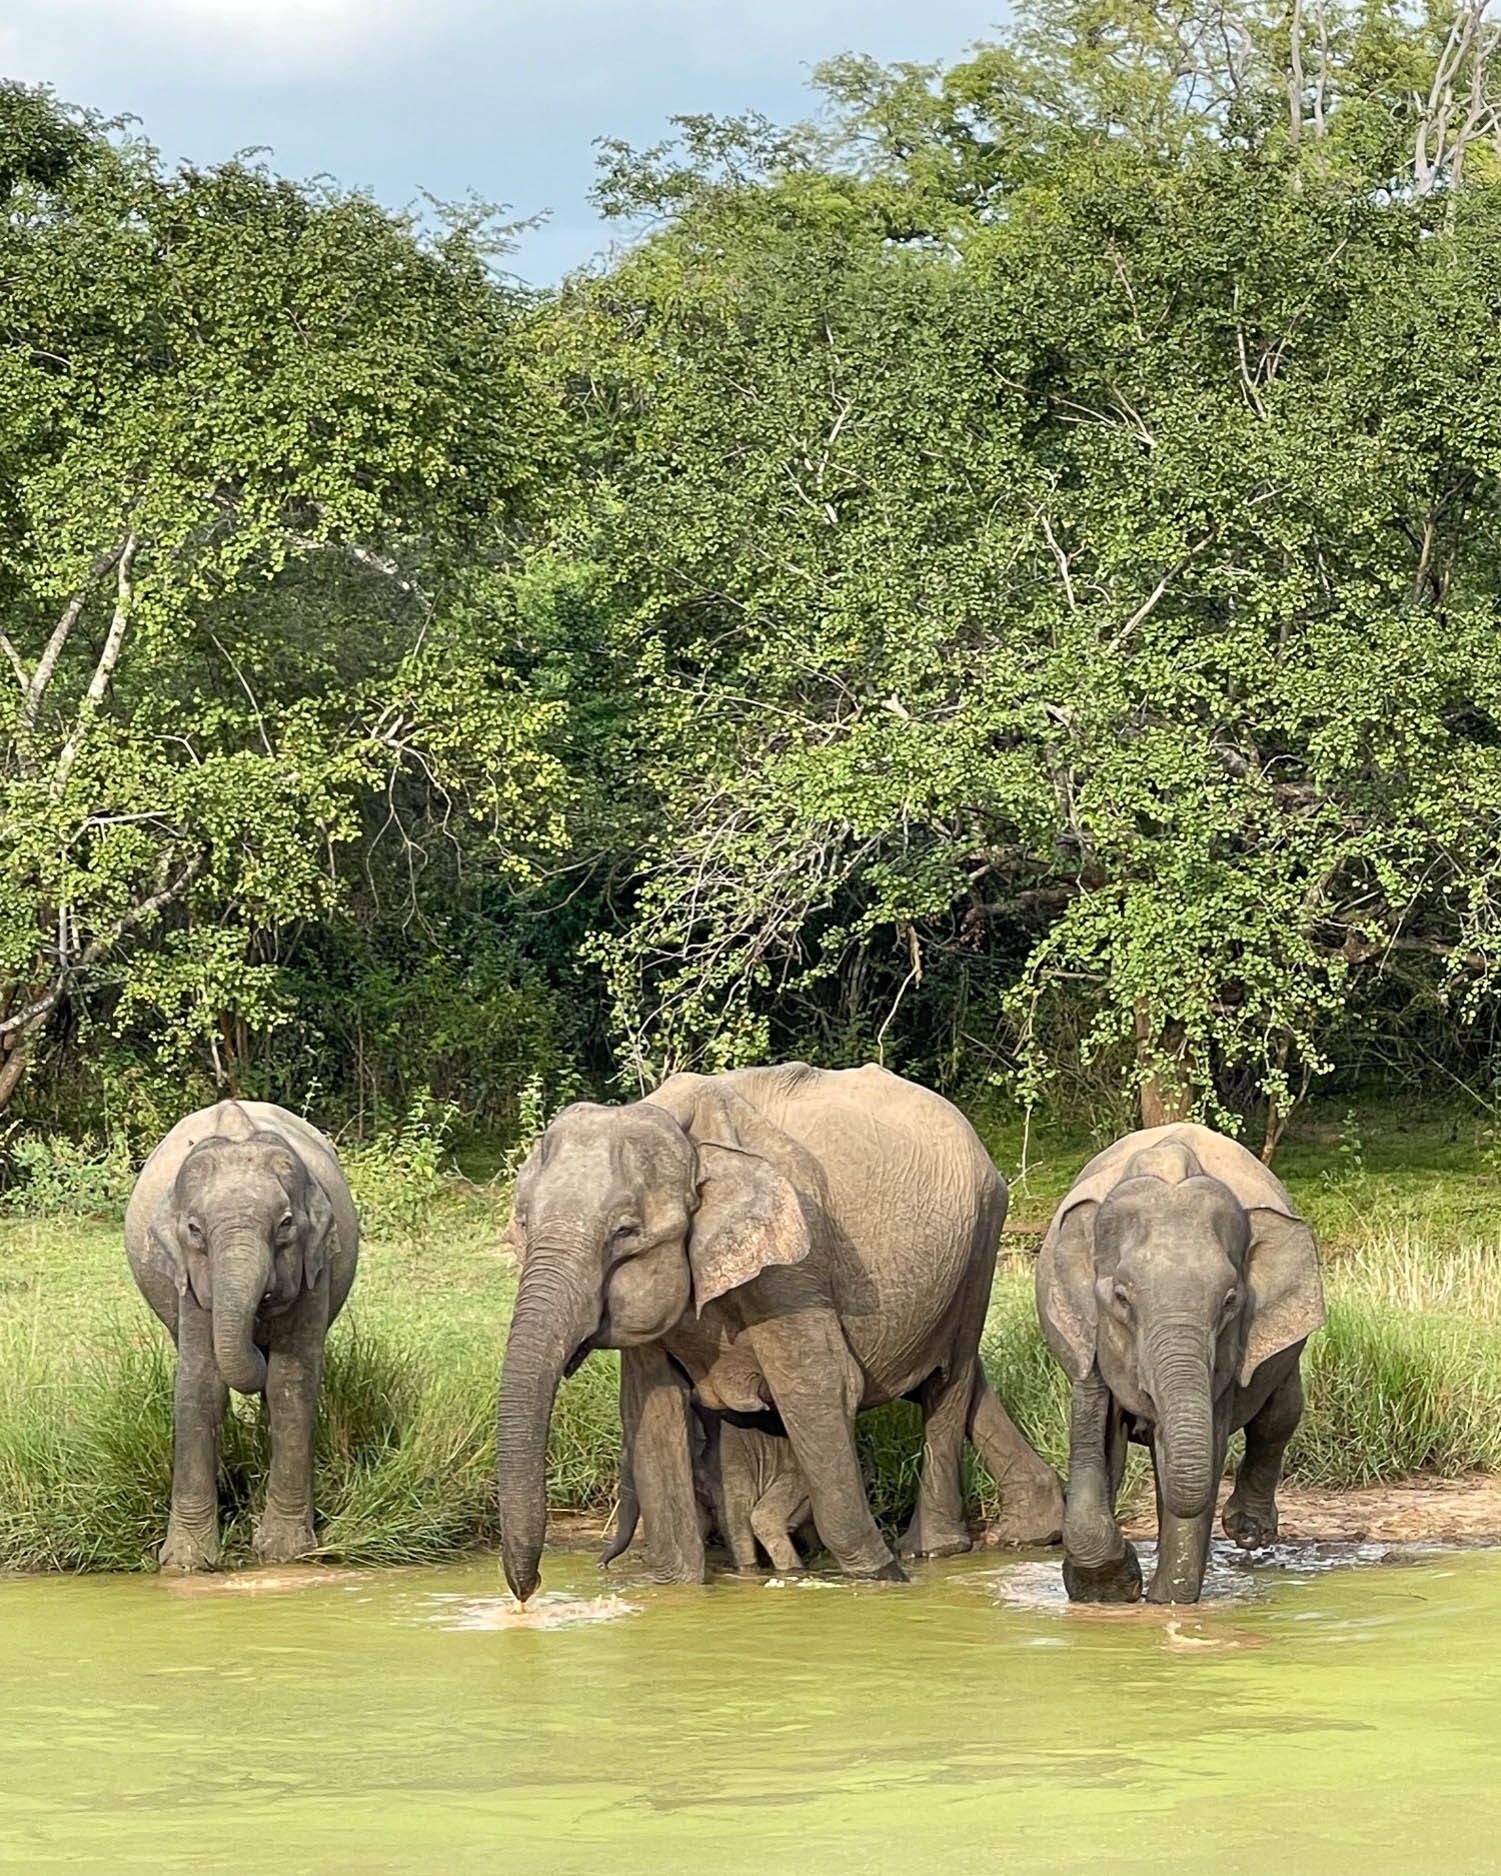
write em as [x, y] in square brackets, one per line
[1249, 1525]
[187, 1550]
[890, 1572]
[1168, 1589]
[932, 1539]
[1118, 1580]
[1030, 1519]
[282, 1539]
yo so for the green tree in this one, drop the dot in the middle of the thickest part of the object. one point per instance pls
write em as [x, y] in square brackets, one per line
[264, 450]
[1054, 510]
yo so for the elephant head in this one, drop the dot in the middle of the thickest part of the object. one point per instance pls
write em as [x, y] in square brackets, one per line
[1178, 1266]
[626, 1219]
[243, 1225]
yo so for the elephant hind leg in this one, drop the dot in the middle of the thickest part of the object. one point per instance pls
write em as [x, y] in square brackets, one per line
[939, 1527]
[1031, 1497]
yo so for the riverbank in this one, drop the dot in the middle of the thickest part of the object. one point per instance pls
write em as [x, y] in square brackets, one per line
[1403, 1381]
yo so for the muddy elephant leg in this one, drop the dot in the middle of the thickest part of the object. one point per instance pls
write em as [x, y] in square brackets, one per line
[816, 1384]
[735, 1497]
[1098, 1564]
[1251, 1510]
[294, 1374]
[938, 1527]
[1183, 1543]
[1031, 1497]
[771, 1520]
[655, 1413]
[199, 1400]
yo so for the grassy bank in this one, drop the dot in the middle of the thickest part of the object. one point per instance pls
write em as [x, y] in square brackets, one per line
[1406, 1376]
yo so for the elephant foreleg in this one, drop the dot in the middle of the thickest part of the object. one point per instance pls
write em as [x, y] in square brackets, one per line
[1251, 1510]
[655, 1430]
[294, 1373]
[816, 1384]
[200, 1397]
[1098, 1564]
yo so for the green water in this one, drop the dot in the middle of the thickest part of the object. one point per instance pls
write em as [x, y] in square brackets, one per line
[1332, 1720]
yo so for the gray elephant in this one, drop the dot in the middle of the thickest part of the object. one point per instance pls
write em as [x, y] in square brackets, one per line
[761, 1496]
[243, 1238]
[1176, 1285]
[841, 1226]
[750, 1488]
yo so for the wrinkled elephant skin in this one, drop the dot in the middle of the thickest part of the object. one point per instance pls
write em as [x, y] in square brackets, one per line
[243, 1238]
[1177, 1286]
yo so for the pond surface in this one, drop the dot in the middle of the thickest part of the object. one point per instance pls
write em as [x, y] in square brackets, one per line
[1327, 1713]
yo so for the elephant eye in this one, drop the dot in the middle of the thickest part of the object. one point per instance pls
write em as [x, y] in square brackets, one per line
[1231, 1299]
[195, 1231]
[1122, 1298]
[626, 1231]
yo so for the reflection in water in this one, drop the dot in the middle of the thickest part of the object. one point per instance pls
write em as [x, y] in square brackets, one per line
[1319, 1716]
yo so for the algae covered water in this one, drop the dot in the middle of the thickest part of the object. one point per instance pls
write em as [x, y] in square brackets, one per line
[1327, 1713]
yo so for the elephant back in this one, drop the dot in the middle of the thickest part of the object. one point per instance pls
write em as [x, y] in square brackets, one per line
[1256, 1186]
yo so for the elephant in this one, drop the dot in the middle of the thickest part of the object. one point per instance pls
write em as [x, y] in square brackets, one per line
[834, 1232]
[1177, 1286]
[747, 1479]
[761, 1496]
[243, 1238]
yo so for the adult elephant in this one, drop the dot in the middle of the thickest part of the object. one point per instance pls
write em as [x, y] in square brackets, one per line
[1176, 1285]
[243, 1238]
[829, 1237]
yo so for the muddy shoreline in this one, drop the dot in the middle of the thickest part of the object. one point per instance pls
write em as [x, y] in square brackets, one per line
[1413, 1511]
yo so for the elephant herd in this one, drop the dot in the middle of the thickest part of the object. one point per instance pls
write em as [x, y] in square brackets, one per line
[772, 1251]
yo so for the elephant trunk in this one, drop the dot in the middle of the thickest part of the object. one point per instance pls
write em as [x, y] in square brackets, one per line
[549, 1325]
[1181, 1389]
[241, 1263]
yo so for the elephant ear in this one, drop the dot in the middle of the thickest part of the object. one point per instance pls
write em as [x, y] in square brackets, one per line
[322, 1240]
[317, 1229]
[165, 1244]
[749, 1213]
[1066, 1304]
[748, 1217]
[1287, 1292]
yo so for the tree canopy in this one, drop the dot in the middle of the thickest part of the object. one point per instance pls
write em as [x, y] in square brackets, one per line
[1002, 578]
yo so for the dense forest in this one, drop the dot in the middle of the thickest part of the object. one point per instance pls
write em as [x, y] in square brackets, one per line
[1002, 578]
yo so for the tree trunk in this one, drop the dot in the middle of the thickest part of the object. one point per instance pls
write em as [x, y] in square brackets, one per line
[1164, 1090]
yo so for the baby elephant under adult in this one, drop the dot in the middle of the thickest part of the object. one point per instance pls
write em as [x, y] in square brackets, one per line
[835, 1230]
[243, 1238]
[1177, 1285]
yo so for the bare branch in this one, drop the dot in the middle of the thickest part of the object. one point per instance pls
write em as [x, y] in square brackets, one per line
[36, 688]
[104, 670]
[16, 663]
[30, 1014]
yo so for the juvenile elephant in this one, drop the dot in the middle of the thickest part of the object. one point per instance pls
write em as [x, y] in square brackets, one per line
[243, 1238]
[842, 1225]
[747, 1480]
[1176, 1285]
[761, 1496]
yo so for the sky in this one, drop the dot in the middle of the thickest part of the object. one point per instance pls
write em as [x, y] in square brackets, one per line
[502, 97]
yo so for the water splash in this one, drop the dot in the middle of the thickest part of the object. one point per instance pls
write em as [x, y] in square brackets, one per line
[555, 1609]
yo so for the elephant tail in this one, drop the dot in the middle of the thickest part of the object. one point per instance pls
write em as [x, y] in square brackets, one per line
[627, 1516]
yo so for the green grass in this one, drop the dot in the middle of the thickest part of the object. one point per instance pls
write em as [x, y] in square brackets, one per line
[1405, 1377]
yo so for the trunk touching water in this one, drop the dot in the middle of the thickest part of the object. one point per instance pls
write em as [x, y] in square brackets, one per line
[1180, 1386]
[241, 1265]
[546, 1329]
